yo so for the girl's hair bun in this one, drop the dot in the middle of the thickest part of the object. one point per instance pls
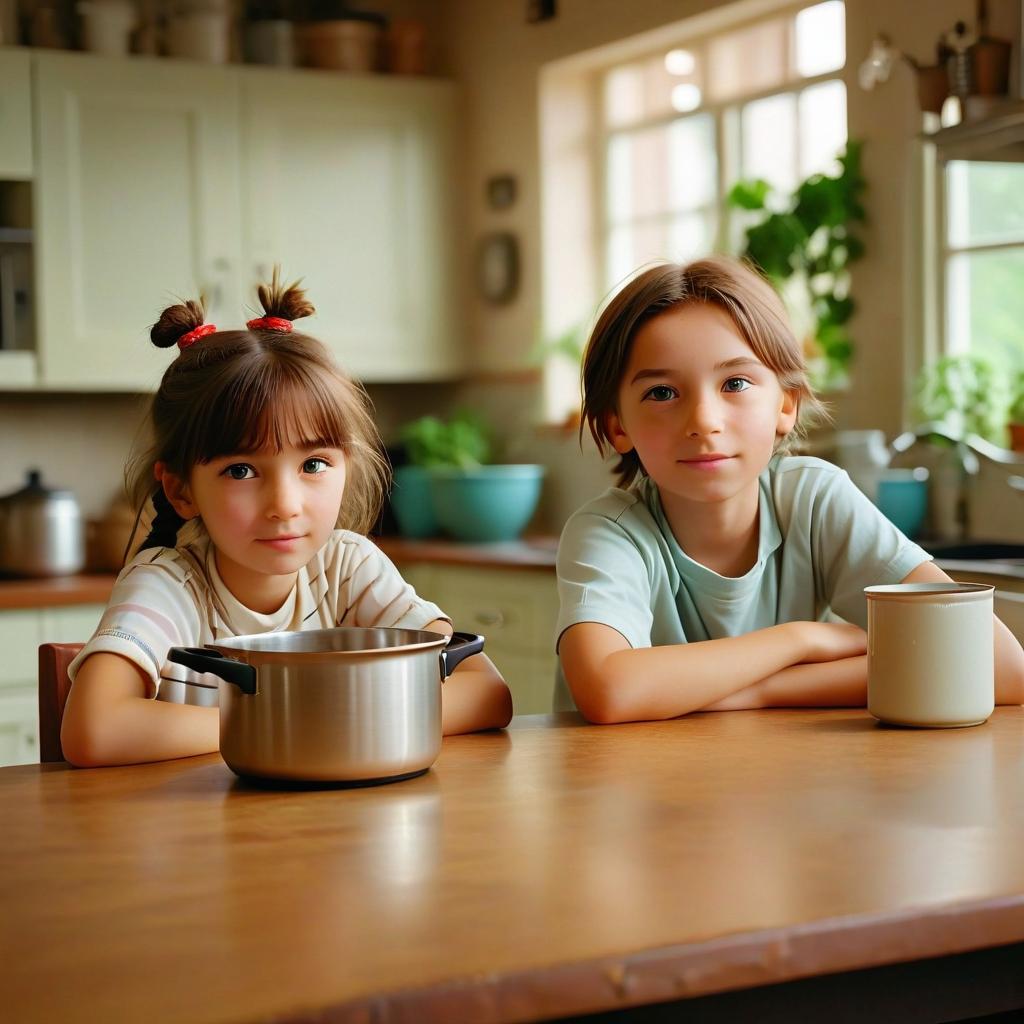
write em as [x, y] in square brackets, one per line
[177, 321]
[288, 302]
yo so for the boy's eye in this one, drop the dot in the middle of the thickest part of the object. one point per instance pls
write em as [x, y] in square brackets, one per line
[660, 393]
[315, 466]
[238, 471]
[734, 385]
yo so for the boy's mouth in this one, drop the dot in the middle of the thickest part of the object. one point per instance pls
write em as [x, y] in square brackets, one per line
[704, 460]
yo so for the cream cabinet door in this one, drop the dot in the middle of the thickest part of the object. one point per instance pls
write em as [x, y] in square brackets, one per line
[15, 115]
[136, 204]
[348, 184]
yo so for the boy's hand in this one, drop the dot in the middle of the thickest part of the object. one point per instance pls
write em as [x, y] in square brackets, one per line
[830, 641]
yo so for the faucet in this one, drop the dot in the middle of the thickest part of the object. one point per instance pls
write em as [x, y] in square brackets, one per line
[968, 447]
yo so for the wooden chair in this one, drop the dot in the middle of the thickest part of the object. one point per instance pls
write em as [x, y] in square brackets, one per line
[54, 686]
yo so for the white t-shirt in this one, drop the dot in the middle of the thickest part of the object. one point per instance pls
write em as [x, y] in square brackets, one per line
[174, 597]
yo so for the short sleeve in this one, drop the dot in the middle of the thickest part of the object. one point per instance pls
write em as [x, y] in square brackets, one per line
[856, 546]
[370, 591]
[602, 577]
[150, 611]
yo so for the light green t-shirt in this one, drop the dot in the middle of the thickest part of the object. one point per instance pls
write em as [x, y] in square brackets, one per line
[821, 543]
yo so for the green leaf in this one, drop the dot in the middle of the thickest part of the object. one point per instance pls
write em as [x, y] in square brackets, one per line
[749, 195]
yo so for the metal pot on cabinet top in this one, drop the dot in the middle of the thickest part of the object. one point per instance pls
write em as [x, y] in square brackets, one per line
[41, 531]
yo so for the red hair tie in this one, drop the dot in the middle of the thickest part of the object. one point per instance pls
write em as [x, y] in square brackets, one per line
[270, 323]
[194, 335]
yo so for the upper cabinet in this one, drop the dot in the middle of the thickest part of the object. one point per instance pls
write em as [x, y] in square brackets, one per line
[346, 183]
[136, 202]
[15, 115]
[157, 179]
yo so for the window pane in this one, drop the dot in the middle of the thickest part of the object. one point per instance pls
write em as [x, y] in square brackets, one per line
[985, 202]
[670, 168]
[822, 127]
[644, 90]
[631, 246]
[985, 305]
[749, 60]
[821, 38]
[769, 137]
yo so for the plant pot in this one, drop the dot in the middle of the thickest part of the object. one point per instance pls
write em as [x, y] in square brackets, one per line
[489, 503]
[412, 503]
[990, 66]
[1017, 437]
[932, 87]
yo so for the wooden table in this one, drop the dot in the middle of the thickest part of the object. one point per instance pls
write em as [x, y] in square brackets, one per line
[552, 870]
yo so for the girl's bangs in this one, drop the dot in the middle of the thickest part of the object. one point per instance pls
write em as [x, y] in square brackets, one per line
[298, 408]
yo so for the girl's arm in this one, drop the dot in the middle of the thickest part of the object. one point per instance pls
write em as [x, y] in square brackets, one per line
[475, 696]
[1009, 657]
[108, 719]
[613, 682]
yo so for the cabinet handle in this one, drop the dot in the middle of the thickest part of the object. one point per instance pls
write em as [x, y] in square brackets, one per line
[490, 617]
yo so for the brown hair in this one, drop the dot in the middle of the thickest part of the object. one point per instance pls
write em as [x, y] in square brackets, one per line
[734, 287]
[237, 391]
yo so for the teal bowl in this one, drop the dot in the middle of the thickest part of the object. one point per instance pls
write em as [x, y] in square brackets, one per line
[489, 503]
[903, 498]
[412, 503]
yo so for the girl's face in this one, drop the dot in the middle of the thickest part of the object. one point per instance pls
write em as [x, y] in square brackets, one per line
[701, 410]
[267, 513]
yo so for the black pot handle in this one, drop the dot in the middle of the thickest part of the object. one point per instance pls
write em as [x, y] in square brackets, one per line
[202, 659]
[460, 647]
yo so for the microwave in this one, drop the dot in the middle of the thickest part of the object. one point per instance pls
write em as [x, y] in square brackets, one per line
[17, 329]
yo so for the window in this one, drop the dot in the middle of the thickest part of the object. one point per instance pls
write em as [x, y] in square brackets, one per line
[682, 125]
[984, 261]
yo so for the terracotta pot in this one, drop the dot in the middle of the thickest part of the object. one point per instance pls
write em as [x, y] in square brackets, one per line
[932, 87]
[990, 66]
[1017, 437]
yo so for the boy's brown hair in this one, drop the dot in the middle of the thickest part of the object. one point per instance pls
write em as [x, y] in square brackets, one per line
[734, 287]
[238, 391]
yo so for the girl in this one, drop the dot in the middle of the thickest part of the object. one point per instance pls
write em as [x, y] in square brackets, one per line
[262, 447]
[720, 574]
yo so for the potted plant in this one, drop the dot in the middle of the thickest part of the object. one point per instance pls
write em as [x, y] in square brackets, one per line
[804, 243]
[450, 484]
[1016, 415]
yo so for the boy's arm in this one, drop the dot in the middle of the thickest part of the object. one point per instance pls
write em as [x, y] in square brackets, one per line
[1009, 657]
[613, 682]
[108, 719]
[475, 695]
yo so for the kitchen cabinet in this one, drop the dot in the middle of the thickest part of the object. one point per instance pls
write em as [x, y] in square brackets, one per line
[157, 179]
[345, 183]
[21, 633]
[515, 609]
[15, 115]
[136, 202]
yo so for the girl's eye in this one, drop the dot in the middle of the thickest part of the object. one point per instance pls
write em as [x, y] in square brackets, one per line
[315, 466]
[238, 471]
[660, 393]
[734, 385]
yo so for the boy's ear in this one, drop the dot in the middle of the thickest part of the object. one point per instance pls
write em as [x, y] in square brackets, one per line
[616, 433]
[788, 413]
[178, 493]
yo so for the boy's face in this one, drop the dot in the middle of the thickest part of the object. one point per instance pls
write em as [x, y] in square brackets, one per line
[701, 410]
[267, 513]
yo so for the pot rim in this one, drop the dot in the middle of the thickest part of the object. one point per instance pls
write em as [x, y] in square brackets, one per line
[254, 646]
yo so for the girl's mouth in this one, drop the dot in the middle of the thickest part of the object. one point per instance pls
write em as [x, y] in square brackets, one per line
[281, 543]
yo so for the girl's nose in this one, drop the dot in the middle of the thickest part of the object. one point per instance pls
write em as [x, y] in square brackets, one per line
[703, 418]
[283, 500]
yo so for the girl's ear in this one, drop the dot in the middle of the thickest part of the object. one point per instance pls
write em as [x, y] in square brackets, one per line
[788, 412]
[616, 433]
[177, 491]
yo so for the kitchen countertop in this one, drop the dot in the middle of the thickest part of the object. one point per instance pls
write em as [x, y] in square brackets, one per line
[553, 869]
[94, 588]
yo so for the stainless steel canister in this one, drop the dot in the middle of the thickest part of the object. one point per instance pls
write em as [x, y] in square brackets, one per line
[332, 705]
[41, 531]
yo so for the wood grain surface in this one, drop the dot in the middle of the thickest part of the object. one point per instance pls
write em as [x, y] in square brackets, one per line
[552, 869]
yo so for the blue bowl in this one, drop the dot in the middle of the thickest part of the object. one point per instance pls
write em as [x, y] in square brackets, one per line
[412, 503]
[489, 503]
[903, 498]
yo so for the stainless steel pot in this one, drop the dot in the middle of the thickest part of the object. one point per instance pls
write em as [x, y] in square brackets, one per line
[41, 531]
[331, 705]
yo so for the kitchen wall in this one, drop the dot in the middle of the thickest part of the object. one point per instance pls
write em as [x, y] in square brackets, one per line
[496, 55]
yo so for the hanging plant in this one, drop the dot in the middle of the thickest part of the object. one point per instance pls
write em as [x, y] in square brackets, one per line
[805, 243]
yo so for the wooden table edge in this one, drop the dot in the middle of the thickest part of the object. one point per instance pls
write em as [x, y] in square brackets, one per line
[726, 964]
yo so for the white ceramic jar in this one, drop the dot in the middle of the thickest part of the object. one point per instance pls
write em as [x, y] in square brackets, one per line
[931, 658]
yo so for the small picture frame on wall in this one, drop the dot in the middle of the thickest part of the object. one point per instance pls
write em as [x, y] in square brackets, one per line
[497, 267]
[501, 191]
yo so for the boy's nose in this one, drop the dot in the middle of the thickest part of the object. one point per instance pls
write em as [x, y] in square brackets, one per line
[703, 418]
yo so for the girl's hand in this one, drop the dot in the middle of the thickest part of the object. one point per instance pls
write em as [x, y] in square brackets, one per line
[830, 641]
